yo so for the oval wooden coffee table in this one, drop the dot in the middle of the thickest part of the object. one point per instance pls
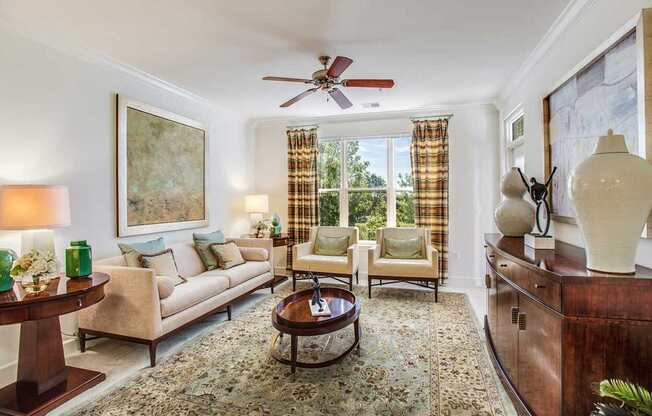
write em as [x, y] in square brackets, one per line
[292, 316]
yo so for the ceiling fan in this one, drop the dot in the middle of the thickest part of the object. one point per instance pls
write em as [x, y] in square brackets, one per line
[327, 79]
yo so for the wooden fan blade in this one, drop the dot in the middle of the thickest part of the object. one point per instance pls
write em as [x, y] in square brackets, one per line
[340, 98]
[302, 80]
[338, 66]
[299, 97]
[368, 83]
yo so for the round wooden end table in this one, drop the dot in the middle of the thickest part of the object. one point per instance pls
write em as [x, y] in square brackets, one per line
[292, 316]
[44, 380]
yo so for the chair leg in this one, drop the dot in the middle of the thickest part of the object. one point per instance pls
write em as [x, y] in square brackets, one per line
[369, 285]
[152, 353]
[271, 286]
[357, 281]
[82, 340]
[436, 290]
[294, 282]
[351, 283]
[228, 312]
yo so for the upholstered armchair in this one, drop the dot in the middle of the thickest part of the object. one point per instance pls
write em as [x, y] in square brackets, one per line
[330, 252]
[404, 255]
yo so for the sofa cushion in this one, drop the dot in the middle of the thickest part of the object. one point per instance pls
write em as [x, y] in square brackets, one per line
[165, 286]
[202, 243]
[403, 268]
[132, 251]
[324, 264]
[228, 255]
[241, 273]
[408, 248]
[164, 265]
[188, 261]
[254, 253]
[195, 291]
[331, 246]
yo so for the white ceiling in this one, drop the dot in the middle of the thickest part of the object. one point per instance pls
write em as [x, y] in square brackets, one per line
[437, 51]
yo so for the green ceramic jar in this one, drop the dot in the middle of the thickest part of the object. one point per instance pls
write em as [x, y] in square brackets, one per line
[7, 258]
[79, 259]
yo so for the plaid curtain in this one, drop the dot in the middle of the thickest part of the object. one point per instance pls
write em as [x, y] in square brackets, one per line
[429, 151]
[303, 199]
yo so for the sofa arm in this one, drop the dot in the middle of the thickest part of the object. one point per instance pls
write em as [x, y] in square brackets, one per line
[353, 255]
[266, 243]
[131, 306]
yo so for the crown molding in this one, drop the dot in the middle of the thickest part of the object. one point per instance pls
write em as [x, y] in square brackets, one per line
[425, 111]
[568, 16]
[89, 56]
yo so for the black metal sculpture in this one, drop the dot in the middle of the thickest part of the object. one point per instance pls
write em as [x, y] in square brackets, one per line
[316, 297]
[539, 193]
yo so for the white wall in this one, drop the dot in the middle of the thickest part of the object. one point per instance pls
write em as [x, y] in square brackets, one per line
[58, 126]
[595, 24]
[474, 171]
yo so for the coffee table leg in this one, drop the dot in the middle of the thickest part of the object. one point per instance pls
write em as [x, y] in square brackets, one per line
[293, 347]
[356, 328]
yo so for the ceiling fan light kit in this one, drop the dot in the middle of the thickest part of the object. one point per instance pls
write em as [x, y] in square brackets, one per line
[328, 78]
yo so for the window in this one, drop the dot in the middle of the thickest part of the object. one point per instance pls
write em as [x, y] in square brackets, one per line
[366, 182]
[514, 139]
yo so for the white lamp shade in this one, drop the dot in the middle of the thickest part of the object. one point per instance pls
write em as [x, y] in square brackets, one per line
[32, 207]
[258, 204]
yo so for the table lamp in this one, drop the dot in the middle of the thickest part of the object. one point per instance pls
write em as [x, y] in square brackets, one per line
[256, 205]
[36, 209]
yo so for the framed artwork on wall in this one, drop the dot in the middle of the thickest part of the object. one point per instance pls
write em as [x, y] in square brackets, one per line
[161, 169]
[606, 91]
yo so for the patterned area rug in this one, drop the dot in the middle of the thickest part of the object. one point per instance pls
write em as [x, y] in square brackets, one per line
[417, 357]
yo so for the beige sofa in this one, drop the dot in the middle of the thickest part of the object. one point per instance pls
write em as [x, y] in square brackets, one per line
[305, 261]
[420, 272]
[133, 310]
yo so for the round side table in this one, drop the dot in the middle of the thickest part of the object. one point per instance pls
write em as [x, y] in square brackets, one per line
[44, 380]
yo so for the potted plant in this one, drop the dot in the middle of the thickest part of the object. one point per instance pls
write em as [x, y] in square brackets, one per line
[634, 399]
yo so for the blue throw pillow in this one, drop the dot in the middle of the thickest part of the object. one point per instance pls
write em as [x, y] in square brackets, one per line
[132, 251]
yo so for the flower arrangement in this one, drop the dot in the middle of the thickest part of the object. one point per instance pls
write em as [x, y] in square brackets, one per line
[37, 264]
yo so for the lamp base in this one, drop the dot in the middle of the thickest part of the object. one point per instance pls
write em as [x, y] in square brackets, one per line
[37, 240]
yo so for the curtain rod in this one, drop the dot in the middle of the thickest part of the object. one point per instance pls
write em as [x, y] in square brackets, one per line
[433, 117]
[302, 126]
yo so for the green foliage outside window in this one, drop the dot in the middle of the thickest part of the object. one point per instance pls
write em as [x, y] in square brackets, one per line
[367, 208]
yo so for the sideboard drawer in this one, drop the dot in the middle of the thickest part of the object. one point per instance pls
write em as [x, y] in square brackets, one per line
[546, 289]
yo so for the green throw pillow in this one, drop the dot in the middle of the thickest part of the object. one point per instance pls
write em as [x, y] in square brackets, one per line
[202, 245]
[410, 248]
[331, 246]
[132, 251]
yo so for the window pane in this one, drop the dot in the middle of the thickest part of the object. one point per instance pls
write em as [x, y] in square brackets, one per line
[518, 128]
[405, 209]
[329, 208]
[368, 212]
[402, 163]
[367, 163]
[329, 165]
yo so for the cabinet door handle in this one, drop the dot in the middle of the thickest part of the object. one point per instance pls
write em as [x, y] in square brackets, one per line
[538, 286]
[522, 322]
[503, 265]
[491, 256]
[514, 315]
[487, 281]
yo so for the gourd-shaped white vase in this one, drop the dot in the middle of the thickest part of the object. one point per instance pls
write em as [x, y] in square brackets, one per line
[514, 216]
[611, 192]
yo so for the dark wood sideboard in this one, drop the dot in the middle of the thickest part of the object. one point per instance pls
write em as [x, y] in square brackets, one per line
[555, 329]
